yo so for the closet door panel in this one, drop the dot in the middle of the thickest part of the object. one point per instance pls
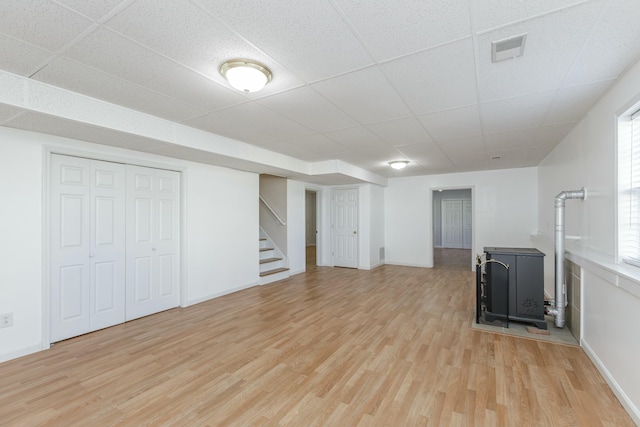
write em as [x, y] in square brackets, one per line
[70, 247]
[153, 245]
[108, 244]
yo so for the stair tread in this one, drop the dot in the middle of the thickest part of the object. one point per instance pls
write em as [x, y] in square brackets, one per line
[265, 249]
[266, 260]
[262, 239]
[274, 271]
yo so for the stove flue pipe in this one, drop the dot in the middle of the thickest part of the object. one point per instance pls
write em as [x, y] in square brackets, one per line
[560, 286]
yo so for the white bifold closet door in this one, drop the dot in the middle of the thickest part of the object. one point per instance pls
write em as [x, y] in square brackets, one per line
[153, 241]
[87, 245]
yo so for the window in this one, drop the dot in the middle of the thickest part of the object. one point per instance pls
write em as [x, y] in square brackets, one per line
[629, 189]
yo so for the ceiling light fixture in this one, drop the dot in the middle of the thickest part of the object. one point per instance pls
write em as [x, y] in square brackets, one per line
[399, 164]
[245, 75]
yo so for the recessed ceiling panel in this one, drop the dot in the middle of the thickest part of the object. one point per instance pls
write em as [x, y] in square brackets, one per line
[407, 130]
[436, 79]
[572, 103]
[307, 37]
[191, 36]
[358, 138]
[515, 113]
[94, 9]
[116, 55]
[466, 145]
[613, 45]
[19, 57]
[553, 44]
[44, 24]
[80, 78]
[453, 123]
[490, 14]
[305, 106]
[390, 30]
[365, 95]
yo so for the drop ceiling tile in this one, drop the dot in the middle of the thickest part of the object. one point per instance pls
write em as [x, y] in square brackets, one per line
[187, 34]
[427, 155]
[309, 38]
[358, 138]
[319, 144]
[488, 14]
[41, 23]
[116, 55]
[94, 9]
[534, 155]
[470, 162]
[574, 102]
[407, 130]
[406, 29]
[553, 43]
[250, 123]
[305, 106]
[516, 113]
[552, 135]
[613, 45]
[365, 95]
[19, 57]
[453, 123]
[520, 138]
[80, 78]
[436, 79]
[465, 145]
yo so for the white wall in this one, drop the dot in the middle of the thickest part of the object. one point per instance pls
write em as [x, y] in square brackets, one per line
[221, 241]
[611, 293]
[296, 251]
[504, 212]
[370, 225]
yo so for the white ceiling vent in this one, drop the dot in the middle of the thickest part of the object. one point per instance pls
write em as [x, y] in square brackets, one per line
[508, 48]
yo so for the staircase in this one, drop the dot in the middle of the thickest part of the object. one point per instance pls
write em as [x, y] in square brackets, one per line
[273, 264]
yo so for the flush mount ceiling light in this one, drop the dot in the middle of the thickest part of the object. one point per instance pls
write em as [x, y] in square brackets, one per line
[244, 75]
[399, 164]
[510, 48]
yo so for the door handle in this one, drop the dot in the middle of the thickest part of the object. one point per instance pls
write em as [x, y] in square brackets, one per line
[355, 232]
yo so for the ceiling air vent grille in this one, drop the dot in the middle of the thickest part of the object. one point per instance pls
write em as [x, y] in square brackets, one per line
[508, 48]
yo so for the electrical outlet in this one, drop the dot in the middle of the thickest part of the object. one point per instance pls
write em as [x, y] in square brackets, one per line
[6, 320]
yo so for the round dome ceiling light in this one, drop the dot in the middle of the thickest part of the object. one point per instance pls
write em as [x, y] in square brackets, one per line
[399, 164]
[245, 75]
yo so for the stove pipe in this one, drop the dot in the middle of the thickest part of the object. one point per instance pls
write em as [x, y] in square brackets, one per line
[560, 286]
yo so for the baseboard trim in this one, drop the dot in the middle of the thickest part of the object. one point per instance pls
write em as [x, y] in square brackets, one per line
[19, 353]
[219, 294]
[626, 403]
[405, 264]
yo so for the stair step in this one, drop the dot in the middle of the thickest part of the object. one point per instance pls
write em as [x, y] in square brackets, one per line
[270, 272]
[266, 260]
[262, 239]
[265, 249]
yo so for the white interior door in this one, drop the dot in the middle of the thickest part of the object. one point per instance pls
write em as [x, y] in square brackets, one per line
[87, 245]
[452, 223]
[153, 241]
[345, 228]
[310, 217]
[467, 215]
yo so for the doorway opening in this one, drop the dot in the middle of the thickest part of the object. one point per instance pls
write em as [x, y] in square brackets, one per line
[452, 229]
[311, 228]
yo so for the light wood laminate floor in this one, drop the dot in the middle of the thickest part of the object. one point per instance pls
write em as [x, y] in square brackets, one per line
[334, 347]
